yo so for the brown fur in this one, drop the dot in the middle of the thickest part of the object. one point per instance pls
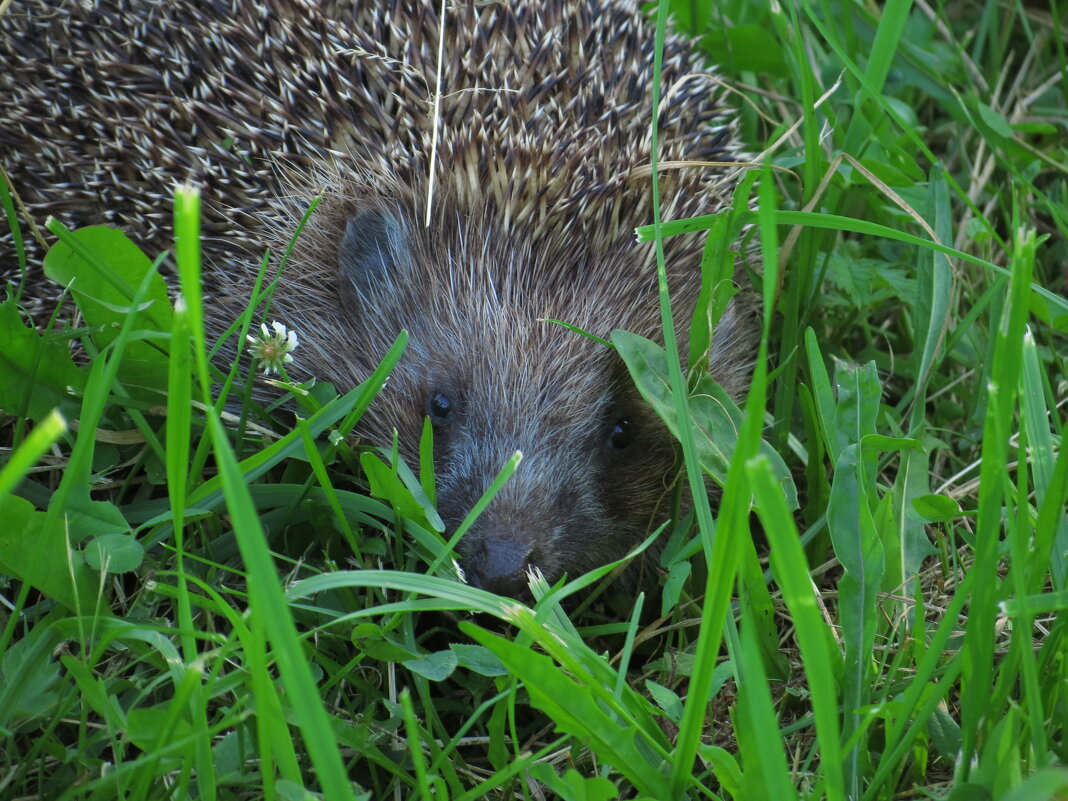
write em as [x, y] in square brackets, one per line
[543, 123]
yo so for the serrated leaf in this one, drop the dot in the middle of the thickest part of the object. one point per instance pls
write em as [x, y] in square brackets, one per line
[34, 372]
[116, 553]
[854, 275]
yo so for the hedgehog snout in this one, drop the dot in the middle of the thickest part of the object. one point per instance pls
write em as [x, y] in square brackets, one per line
[500, 565]
[543, 519]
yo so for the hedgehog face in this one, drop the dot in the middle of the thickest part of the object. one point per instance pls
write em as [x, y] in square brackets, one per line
[595, 468]
[495, 377]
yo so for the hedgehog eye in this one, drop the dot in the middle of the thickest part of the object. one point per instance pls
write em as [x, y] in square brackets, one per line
[621, 435]
[440, 407]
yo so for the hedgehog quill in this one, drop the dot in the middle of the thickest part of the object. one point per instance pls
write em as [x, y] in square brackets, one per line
[542, 134]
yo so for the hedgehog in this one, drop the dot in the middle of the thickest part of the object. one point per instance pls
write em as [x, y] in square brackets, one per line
[471, 206]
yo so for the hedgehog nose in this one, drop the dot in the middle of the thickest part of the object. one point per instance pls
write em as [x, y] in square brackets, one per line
[500, 566]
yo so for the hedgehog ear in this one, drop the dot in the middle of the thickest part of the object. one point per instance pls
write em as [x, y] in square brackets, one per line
[373, 249]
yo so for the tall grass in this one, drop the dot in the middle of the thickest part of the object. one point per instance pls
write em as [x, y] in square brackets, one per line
[205, 605]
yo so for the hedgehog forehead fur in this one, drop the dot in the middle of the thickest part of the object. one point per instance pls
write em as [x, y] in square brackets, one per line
[539, 176]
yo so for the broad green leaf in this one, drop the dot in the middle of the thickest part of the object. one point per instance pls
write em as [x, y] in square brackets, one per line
[754, 49]
[371, 640]
[936, 508]
[437, 666]
[116, 553]
[886, 172]
[714, 418]
[944, 732]
[1000, 763]
[147, 725]
[38, 554]
[670, 593]
[107, 267]
[85, 518]
[998, 124]
[725, 766]
[911, 543]
[694, 18]
[478, 659]
[858, 392]
[386, 485]
[102, 268]
[859, 548]
[1045, 785]
[572, 785]
[28, 676]
[666, 699]
[36, 375]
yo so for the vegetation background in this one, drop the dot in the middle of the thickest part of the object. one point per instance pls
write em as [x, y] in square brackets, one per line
[195, 606]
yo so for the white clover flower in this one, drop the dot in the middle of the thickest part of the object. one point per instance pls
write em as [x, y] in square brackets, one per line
[272, 350]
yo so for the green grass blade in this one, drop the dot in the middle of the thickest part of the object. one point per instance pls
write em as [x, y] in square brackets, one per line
[894, 14]
[836, 222]
[976, 712]
[757, 729]
[934, 287]
[790, 568]
[179, 420]
[575, 710]
[45, 434]
[1036, 421]
[266, 598]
